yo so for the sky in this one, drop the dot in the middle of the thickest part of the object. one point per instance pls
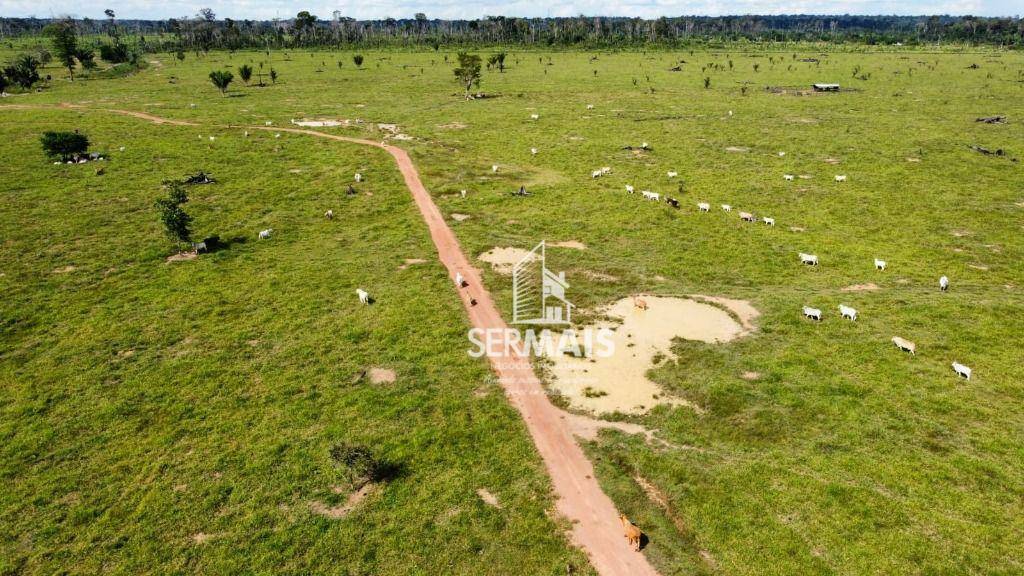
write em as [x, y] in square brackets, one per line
[459, 9]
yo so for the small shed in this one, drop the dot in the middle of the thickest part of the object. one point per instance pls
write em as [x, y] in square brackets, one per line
[825, 87]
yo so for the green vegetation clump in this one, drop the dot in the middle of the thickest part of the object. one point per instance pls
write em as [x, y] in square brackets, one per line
[221, 79]
[64, 145]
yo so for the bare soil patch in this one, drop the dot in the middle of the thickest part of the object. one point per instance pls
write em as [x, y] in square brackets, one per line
[411, 262]
[502, 260]
[861, 287]
[65, 269]
[574, 244]
[488, 498]
[619, 383]
[737, 149]
[750, 376]
[183, 257]
[460, 217]
[382, 375]
[342, 510]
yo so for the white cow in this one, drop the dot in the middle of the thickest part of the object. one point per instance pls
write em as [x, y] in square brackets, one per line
[630, 189]
[727, 207]
[590, 106]
[704, 207]
[788, 177]
[364, 296]
[463, 193]
[841, 178]
[265, 234]
[534, 116]
[596, 174]
[769, 221]
[533, 151]
[672, 173]
[459, 279]
[648, 195]
[494, 167]
[943, 283]
[962, 370]
[606, 170]
[879, 264]
[359, 177]
[905, 345]
[812, 313]
[329, 214]
[847, 312]
[809, 259]
[746, 216]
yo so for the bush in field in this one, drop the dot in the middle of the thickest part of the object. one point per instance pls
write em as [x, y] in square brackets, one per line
[221, 79]
[707, 82]
[177, 223]
[87, 57]
[180, 55]
[499, 61]
[468, 71]
[23, 71]
[64, 144]
[3, 82]
[245, 72]
[358, 59]
[360, 465]
[273, 76]
[116, 53]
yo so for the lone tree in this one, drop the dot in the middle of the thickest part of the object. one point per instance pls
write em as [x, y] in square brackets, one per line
[245, 71]
[3, 82]
[273, 76]
[499, 61]
[177, 223]
[358, 59]
[65, 43]
[468, 71]
[64, 144]
[221, 79]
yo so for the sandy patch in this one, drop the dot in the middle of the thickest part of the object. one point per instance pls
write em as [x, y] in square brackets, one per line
[737, 149]
[411, 262]
[382, 375]
[295, 171]
[320, 123]
[453, 126]
[183, 257]
[65, 269]
[459, 217]
[961, 233]
[860, 287]
[797, 229]
[342, 510]
[750, 376]
[832, 160]
[574, 244]
[909, 159]
[978, 266]
[587, 428]
[502, 260]
[619, 383]
[201, 537]
[488, 498]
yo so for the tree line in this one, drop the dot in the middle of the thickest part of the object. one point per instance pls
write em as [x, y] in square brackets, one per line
[204, 31]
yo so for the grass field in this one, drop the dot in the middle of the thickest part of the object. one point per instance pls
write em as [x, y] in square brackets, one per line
[843, 456]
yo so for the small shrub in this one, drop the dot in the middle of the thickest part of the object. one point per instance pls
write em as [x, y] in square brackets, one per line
[221, 79]
[358, 59]
[245, 72]
[360, 465]
[23, 71]
[177, 223]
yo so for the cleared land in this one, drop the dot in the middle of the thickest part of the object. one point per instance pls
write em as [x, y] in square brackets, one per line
[817, 445]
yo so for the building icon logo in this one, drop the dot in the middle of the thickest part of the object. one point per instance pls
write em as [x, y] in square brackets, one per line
[538, 294]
